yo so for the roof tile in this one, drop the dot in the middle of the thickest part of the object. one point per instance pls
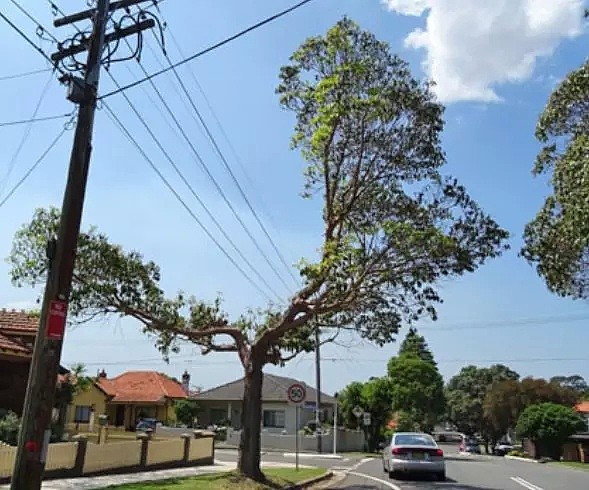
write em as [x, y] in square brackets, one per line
[583, 407]
[141, 386]
[13, 320]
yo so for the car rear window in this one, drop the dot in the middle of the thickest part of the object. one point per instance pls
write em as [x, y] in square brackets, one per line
[413, 440]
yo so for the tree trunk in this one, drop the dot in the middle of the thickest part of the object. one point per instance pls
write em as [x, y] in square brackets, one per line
[251, 421]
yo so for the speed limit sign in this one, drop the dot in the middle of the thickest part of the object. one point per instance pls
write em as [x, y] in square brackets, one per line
[296, 393]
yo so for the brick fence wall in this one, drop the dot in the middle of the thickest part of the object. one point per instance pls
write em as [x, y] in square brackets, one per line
[82, 458]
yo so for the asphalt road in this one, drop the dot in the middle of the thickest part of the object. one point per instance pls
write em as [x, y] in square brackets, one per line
[463, 472]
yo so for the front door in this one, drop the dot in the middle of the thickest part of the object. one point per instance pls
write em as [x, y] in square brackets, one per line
[120, 416]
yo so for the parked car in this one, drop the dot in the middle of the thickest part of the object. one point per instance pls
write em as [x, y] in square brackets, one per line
[146, 423]
[413, 452]
[470, 446]
[502, 448]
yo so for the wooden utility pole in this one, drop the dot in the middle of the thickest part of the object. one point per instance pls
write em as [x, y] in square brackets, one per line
[38, 406]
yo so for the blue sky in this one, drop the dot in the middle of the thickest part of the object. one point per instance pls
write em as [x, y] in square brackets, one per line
[495, 78]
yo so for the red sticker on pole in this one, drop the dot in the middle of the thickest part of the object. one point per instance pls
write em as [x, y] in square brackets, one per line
[56, 320]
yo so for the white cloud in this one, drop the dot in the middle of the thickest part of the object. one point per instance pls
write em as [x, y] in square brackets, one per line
[472, 45]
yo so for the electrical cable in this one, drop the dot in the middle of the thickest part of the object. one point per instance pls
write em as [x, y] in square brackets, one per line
[39, 25]
[227, 166]
[25, 137]
[25, 74]
[210, 48]
[33, 167]
[182, 202]
[193, 192]
[220, 127]
[34, 120]
[212, 179]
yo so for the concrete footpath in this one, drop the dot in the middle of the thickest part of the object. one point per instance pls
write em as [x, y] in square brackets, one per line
[93, 482]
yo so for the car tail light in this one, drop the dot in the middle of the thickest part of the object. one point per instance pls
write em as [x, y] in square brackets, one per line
[439, 452]
[397, 450]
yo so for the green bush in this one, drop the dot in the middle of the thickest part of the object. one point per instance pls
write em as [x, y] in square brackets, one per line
[9, 427]
[516, 452]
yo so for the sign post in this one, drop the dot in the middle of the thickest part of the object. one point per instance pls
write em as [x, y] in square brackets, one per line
[296, 394]
[357, 411]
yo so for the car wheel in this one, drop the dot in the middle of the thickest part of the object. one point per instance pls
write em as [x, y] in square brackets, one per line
[393, 475]
[441, 476]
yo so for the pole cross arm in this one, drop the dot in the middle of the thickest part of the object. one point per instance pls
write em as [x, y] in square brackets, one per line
[110, 37]
[87, 14]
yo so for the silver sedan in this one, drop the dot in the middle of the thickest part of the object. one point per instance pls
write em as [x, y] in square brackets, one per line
[413, 452]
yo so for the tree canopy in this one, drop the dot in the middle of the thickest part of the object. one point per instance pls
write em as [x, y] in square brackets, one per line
[465, 397]
[549, 425]
[556, 241]
[417, 389]
[507, 399]
[415, 344]
[394, 224]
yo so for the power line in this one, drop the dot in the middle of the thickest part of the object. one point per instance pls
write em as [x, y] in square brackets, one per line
[25, 74]
[27, 39]
[34, 120]
[467, 361]
[510, 323]
[210, 48]
[213, 180]
[193, 192]
[190, 359]
[182, 202]
[221, 129]
[228, 168]
[35, 21]
[25, 137]
[33, 167]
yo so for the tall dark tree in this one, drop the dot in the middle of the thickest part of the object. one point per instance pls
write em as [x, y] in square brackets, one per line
[506, 400]
[556, 241]
[415, 344]
[465, 397]
[393, 224]
[417, 389]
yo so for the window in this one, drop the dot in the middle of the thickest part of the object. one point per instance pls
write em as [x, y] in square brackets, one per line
[413, 440]
[218, 415]
[274, 418]
[82, 415]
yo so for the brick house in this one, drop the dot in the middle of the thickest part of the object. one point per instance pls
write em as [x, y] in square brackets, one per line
[18, 330]
[127, 397]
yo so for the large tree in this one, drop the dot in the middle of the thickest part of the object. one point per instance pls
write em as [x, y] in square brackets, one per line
[557, 239]
[506, 400]
[373, 397]
[393, 224]
[549, 425]
[417, 389]
[465, 397]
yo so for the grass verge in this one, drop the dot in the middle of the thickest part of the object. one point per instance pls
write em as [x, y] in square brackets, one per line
[277, 478]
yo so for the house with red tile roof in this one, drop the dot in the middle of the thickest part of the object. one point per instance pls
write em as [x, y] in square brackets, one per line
[126, 398]
[18, 330]
[583, 409]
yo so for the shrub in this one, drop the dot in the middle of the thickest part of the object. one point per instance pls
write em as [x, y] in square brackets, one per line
[9, 427]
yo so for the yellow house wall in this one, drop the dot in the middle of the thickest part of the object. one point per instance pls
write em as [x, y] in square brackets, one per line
[92, 397]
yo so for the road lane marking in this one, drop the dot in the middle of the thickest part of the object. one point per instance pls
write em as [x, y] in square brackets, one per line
[530, 486]
[373, 478]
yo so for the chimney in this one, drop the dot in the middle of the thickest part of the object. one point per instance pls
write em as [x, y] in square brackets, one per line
[186, 381]
[102, 374]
